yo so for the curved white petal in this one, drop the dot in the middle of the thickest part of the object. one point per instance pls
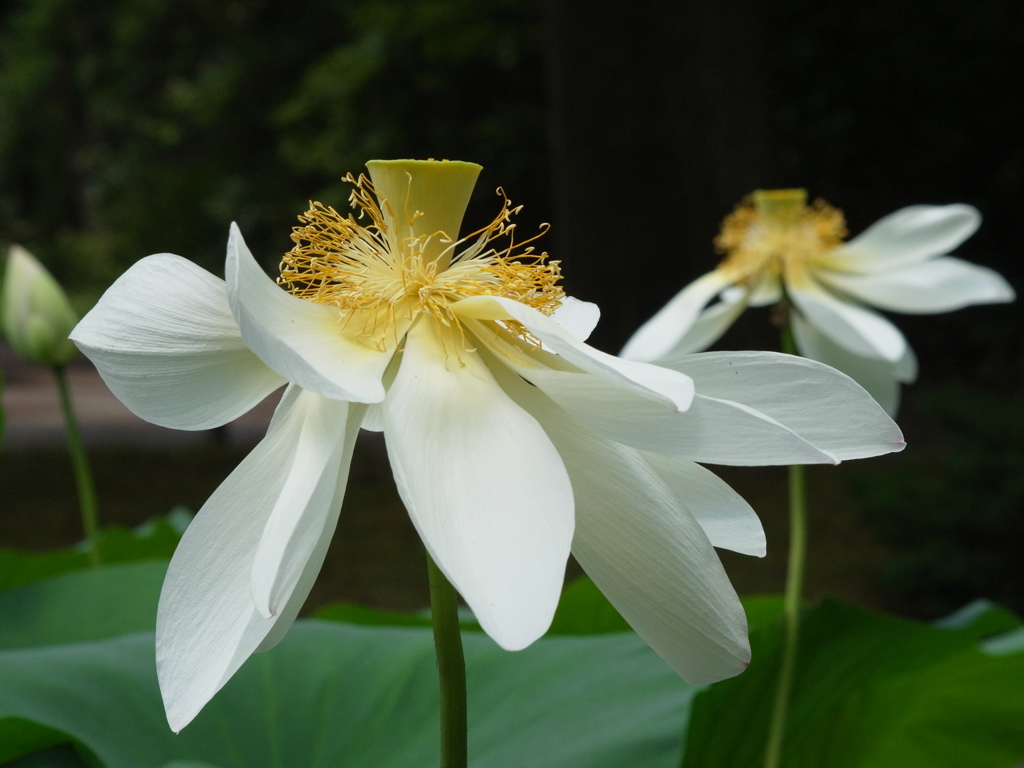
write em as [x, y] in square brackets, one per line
[939, 285]
[905, 369]
[907, 236]
[668, 329]
[304, 504]
[373, 421]
[825, 407]
[726, 518]
[880, 378]
[303, 341]
[645, 551]
[710, 325]
[290, 610]
[855, 328]
[483, 485]
[711, 430]
[165, 342]
[669, 388]
[207, 624]
[766, 289]
[577, 317]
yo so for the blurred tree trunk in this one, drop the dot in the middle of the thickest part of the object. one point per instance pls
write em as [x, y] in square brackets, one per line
[657, 122]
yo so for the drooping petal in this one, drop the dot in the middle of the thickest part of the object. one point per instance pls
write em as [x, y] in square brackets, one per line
[710, 325]
[766, 289]
[483, 485]
[853, 327]
[667, 330]
[577, 317]
[290, 610]
[879, 377]
[303, 341]
[939, 285]
[165, 342]
[711, 430]
[645, 551]
[207, 624]
[726, 518]
[905, 368]
[304, 504]
[660, 385]
[908, 236]
[825, 407]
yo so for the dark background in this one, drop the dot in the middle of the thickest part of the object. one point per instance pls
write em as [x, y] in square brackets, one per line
[130, 127]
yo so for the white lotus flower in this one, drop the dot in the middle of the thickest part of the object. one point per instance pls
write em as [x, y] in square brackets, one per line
[776, 245]
[511, 441]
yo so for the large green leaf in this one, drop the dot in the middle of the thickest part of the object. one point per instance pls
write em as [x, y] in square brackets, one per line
[154, 540]
[335, 694]
[872, 691]
[89, 604]
[82, 605]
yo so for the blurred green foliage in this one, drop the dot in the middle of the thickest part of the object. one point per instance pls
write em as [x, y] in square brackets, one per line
[953, 510]
[129, 127]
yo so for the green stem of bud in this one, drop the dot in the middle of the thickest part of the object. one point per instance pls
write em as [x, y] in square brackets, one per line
[80, 463]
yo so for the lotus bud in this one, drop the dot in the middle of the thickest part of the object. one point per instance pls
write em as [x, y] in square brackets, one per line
[37, 316]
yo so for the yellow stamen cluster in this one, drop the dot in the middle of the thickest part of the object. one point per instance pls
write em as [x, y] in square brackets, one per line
[380, 284]
[772, 228]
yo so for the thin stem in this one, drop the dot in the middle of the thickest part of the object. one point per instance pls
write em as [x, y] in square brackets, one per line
[80, 463]
[451, 667]
[791, 614]
[791, 606]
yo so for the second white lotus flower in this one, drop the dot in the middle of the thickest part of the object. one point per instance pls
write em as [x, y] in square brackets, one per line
[776, 246]
[511, 441]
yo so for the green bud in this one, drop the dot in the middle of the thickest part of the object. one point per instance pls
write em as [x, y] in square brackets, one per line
[37, 316]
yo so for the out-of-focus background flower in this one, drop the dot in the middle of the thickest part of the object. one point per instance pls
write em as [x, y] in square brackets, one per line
[130, 127]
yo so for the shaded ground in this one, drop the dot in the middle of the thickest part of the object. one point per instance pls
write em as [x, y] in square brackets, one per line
[376, 558]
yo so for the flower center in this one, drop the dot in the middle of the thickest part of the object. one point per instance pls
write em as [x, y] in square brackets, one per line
[773, 228]
[381, 281]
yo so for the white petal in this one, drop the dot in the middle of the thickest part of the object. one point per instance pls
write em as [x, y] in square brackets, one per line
[710, 325]
[658, 384]
[825, 407]
[711, 430]
[165, 342]
[304, 504]
[908, 236]
[577, 317]
[939, 285]
[373, 421]
[645, 551]
[726, 518]
[287, 614]
[879, 377]
[483, 485]
[303, 341]
[667, 330]
[207, 624]
[855, 328]
[767, 289]
[905, 369]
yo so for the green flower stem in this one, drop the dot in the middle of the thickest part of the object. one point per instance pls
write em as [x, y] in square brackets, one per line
[794, 587]
[791, 614]
[80, 462]
[451, 667]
